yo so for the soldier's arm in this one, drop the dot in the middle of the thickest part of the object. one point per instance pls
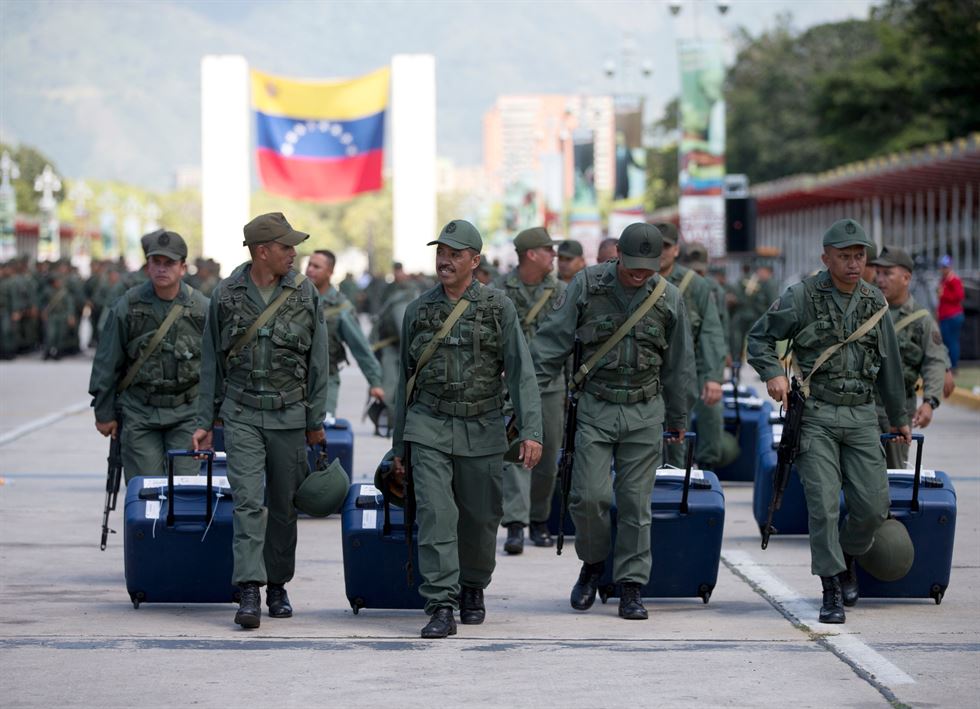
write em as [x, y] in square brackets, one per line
[351, 334]
[519, 375]
[316, 386]
[711, 339]
[678, 374]
[109, 365]
[890, 382]
[212, 369]
[401, 401]
[555, 336]
[780, 322]
[935, 362]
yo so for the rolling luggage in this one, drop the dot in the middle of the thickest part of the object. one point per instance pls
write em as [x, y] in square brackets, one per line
[340, 445]
[685, 535]
[792, 516]
[178, 535]
[375, 553]
[749, 423]
[925, 502]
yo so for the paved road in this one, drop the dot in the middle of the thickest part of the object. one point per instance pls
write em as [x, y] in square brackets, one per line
[69, 635]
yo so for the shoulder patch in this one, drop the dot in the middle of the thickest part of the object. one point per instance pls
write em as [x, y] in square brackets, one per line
[936, 338]
[559, 301]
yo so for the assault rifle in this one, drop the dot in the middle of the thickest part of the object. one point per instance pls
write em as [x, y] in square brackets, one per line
[568, 446]
[789, 447]
[113, 478]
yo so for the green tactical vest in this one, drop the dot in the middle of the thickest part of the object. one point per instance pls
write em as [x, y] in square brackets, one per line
[175, 365]
[630, 371]
[335, 345]
[275, 361]
[515, 290]
[848, 377]
[463, 376]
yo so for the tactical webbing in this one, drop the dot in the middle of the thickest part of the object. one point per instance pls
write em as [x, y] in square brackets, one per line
[829, 352]
[175, 312]
[909, 319]
[686, 281]
[430, 349]
[264, 317]
[536, 308]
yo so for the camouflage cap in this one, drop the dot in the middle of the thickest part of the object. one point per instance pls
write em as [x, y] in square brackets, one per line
[846, 232]
[894, 256]
[165, 243]
[272, 227]
[640, 246]
[569, 248]
[534, 238]
[669, 232]
[459, 234]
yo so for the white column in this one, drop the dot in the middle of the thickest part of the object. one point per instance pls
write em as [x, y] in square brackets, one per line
[225, 152]
[413, 160]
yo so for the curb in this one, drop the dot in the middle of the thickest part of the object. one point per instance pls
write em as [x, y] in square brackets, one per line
[964, 397]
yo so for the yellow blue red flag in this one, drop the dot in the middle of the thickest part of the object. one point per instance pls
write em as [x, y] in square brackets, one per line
[320, 140]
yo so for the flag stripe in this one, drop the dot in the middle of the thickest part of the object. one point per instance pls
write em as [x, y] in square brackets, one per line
[320, 179]
[320, 139]
[315, 100]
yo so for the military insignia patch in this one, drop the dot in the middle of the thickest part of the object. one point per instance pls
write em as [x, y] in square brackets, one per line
[936, 338]
[163, 239]
[559, 301]
[850, 228]
[645, 248]
[450, 227]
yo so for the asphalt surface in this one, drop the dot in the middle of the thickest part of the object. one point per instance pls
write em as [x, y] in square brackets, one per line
[70, 636]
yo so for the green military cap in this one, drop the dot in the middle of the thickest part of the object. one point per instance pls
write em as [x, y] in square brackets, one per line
[459, 234]
[640, 246]
[323, 491]
[487, 267]
[569, 248]
[695, 253]
[668, 232]
[894, 256]
[165, 243]
[534, 238]
[272, 227]
[846, 232]
[891, 554]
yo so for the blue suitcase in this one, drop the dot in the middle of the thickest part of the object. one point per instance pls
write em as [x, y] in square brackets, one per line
[177, 539]
[375, 553]
[925, 502]
[340, 445]
[685, 535]
[792, 516]
[749, 423]
[553, 519]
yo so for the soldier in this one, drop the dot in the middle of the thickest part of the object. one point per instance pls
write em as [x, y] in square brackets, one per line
[607, 251]
[264, 373]
[386, 332]
[695, 257]
[533, 289]
[342, 329]
[570, 260]
[921, 345]
[710, 351]
[836, 315]
[148, 361]
[643, 384]
[486, 273]
[459, 337]
[58, 316]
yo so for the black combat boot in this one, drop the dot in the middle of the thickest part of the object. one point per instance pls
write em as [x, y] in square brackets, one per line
[472, 610]
[584, 590]
[278, 601]
[440, 624]
[540, 535]
[849, 582]
[832, 610]
[515, 538]
[631, 602]
[249, 613]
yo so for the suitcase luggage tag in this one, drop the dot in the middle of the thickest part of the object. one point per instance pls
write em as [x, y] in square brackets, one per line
[920, 477]
[749, 403]
[692, 478]
[153, 488]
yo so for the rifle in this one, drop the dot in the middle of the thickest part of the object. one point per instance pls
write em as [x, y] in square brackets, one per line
[789, 447]
[113, 477]
[567, 457]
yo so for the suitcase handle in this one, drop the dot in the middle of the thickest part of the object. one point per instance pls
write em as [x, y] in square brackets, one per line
[918, 438]
[689, 439]
[171, 454]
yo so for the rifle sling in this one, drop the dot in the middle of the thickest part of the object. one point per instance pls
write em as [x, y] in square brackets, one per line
[264, 317]
[381, 344]
[532, 314]
[434, 343]
[176, 310]
[909, 319]
[336, 309]
[829, 352]
[686, 281]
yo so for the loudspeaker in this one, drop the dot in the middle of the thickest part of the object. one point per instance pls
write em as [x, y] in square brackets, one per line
[740, 224]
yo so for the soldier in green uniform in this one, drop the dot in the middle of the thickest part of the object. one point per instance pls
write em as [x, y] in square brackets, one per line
[533, 289]
[58, 316]
[607, 250]
[571, 260]
[25, 306]
[710, 351]
[8, 340]
[644, 383]
[839, 446]
[923, 352]
[386, 332]
[264, 373]
[147, 373]
[449, 401]
[342, 329]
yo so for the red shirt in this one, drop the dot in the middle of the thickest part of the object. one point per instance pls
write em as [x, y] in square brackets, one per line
[950, 296]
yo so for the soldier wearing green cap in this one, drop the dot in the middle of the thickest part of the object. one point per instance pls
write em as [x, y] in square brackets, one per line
[921, 345]
[533, 289]
[386, 329]
[836, 319]
[710, 351]
[458, 338]
[642, 384]
[147, 364]
[264, 373]
[571, 259]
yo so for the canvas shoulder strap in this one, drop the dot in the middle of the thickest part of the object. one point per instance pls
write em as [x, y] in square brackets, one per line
[532, 314]
[336, 309]
[909, 319]
[430, 349]
[176, 310]
[685, 281]
[829, 352]
[264, 317]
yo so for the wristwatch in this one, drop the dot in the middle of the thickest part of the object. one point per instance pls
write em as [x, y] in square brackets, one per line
[932, 401]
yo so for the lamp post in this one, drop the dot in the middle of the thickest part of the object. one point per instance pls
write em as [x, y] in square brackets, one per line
[79, 193]
[49, 238]
[8, 206]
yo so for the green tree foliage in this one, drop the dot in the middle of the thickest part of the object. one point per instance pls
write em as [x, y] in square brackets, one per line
[30, 162]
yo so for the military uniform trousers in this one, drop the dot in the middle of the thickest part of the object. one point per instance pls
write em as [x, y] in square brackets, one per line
[333, 392]
[148, 433]
[834, 457]
[637, 456]
[528, 494]
[896, 452]
[265, 466]
[459, 509]
[707, 451]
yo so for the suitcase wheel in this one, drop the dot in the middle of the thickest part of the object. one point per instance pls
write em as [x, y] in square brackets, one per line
[605, 592]
[139, 597]
[704, 590]
[937, 593]
[236, 597]
[357, 604]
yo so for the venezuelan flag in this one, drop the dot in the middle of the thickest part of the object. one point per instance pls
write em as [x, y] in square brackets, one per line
[320, 140]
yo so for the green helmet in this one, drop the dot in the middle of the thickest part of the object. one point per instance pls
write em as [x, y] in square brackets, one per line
[891, 554]
[324, 490]
[729, 449]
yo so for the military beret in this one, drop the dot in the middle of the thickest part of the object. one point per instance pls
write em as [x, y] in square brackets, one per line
[272, 227]
[894, 256]
[533, 238]
[846, 232]
[640, 246]
[460, 234]
[569, 248]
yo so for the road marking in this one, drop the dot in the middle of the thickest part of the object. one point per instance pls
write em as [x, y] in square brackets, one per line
[30, 426]
[805, 615]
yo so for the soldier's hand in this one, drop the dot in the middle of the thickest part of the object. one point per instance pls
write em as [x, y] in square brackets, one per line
[923, 415]
[315, 437]
[530, 453]
[778, 388]
[949, 384]
[108, 428]
[905, 433]
[377, 393]
[677, 436]
[711, 394]
[202, 440]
